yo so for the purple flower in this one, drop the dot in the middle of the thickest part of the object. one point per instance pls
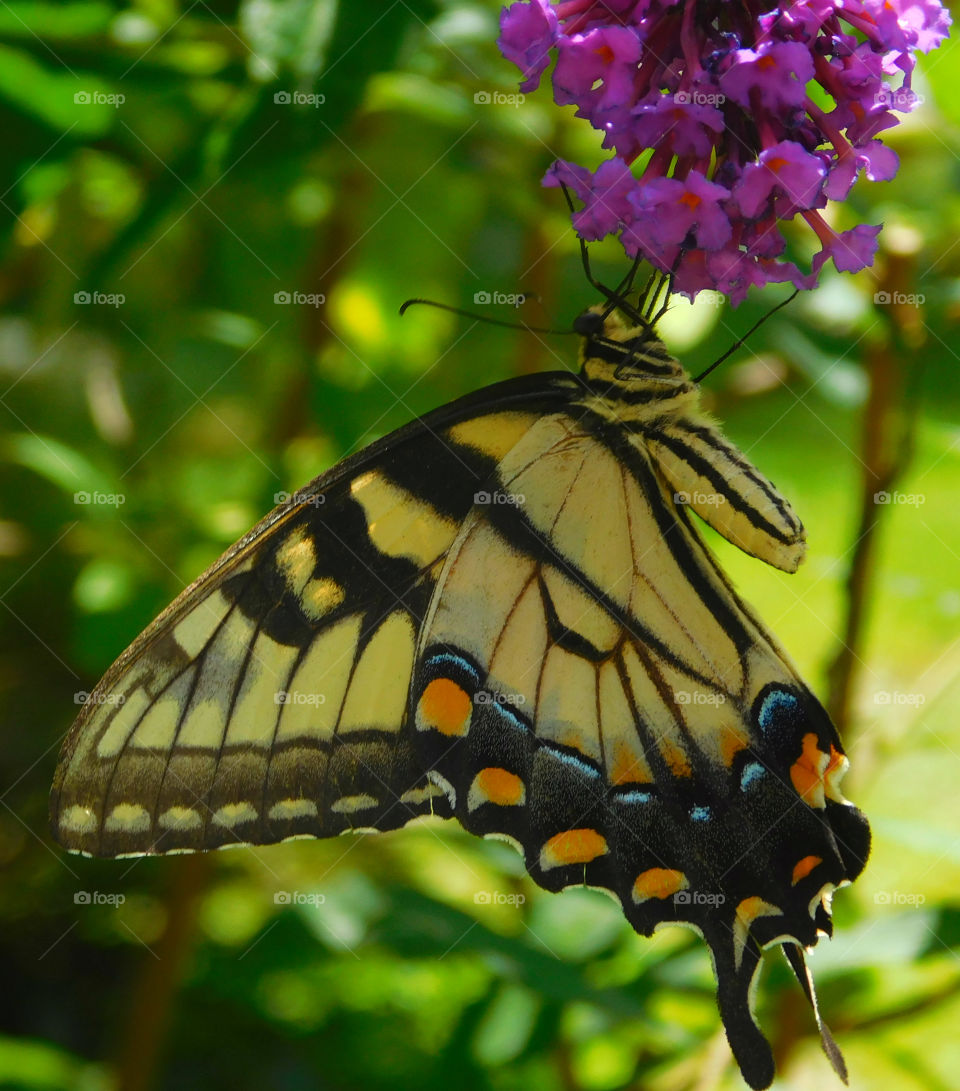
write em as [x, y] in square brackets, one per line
[851, 250]
[876, 160]
[605, 195]
[792, 176]
[751, 115]
[929, 22]
[678, 212]
[527, 34]
[777, 72]
[596, 72]
[686, 126]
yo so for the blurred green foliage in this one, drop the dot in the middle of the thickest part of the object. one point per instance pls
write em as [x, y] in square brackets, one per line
[160, 185]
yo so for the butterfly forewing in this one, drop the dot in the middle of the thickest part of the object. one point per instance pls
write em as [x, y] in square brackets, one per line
[268, 701]
[503, 613]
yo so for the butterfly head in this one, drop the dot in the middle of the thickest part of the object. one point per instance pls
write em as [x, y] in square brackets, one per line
[628, 362]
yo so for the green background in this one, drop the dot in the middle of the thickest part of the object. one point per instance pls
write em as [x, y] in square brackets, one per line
[197, 398]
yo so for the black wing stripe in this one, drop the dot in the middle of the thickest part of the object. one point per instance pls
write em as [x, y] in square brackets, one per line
[710, 438]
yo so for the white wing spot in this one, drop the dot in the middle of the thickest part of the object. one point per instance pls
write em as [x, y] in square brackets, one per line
[293, 808]
[349, 804]
[79, 819]
[421, 795]
[444, 785]
[129, 817]
[180, 818]
[235, 814]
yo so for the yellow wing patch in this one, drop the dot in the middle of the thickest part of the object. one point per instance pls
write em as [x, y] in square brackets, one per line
[399, 523]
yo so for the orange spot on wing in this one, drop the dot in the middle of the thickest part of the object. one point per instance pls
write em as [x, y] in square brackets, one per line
[658, 882]
[628, 767]
[572, 847]
[807, 771]
[732, 741]
[802, 868]
[676, 759]
[752, 908]
[446, 707]
[501, 786]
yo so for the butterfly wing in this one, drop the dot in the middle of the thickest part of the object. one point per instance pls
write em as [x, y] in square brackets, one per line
[267, 702]
[500, 614]
[707, 472]
[590, 687]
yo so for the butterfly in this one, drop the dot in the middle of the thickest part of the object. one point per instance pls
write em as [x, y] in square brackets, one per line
[503, 613]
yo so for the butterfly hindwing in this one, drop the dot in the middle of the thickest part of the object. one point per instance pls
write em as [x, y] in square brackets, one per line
[574, 697]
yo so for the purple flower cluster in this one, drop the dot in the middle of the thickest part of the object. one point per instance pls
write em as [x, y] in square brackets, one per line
[751, 116]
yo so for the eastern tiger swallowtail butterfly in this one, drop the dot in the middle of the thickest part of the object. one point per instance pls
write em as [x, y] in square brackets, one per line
[503, 613]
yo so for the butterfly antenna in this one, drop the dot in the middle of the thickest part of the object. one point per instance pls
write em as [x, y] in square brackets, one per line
[479, 317]
[614, 295]
[584, 253]
[750, 332]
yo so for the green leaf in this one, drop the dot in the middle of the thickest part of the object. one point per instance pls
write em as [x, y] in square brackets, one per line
[54, 21]
[64, 466]
[69, 101]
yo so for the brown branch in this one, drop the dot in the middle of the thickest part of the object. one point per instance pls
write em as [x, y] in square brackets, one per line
[886, 448]
[162, 970]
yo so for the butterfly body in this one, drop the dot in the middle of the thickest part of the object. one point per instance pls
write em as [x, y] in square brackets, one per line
[502, 613]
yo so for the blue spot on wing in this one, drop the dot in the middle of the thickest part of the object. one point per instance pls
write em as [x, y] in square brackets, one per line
[445, 660]
[778, 711]
[751, 774]
[634, 796]
[701, 814]
[585, 767]
[510, 716]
